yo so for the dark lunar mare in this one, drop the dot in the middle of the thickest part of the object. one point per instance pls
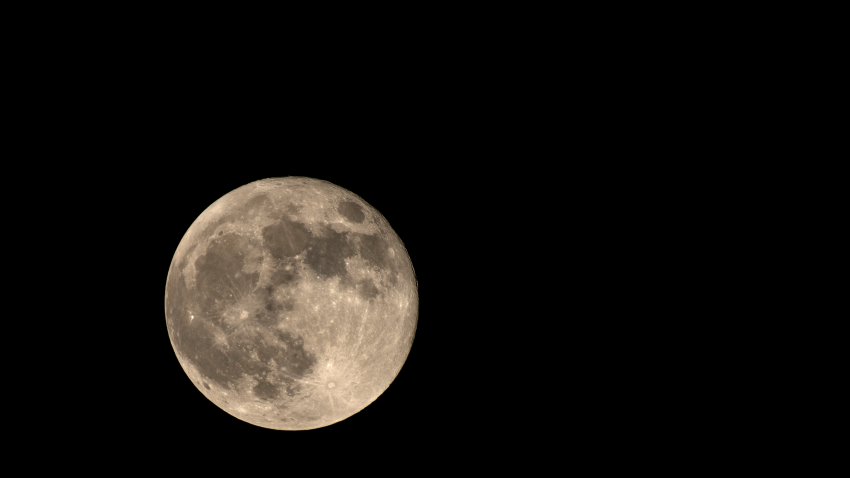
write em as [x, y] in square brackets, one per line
[373, 249]
[286, 238]
[220, 280]
[247, 259]
[351, 211]
[327, 253]
[367, 289]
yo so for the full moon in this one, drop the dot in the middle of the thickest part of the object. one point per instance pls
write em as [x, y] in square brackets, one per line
[291, 303]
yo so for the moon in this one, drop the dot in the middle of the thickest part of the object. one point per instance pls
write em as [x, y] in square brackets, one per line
[291, 303]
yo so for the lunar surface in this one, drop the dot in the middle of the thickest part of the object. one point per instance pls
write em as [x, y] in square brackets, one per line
[291, 303]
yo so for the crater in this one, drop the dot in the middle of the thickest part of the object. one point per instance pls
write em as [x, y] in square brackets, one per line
[351, 211]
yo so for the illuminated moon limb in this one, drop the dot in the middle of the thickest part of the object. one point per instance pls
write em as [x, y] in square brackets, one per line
[291, 303]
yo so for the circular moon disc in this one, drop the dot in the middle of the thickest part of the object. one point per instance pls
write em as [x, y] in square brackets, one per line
[291, 303]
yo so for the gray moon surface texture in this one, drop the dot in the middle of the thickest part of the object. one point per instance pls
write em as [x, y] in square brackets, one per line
[291, 303]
